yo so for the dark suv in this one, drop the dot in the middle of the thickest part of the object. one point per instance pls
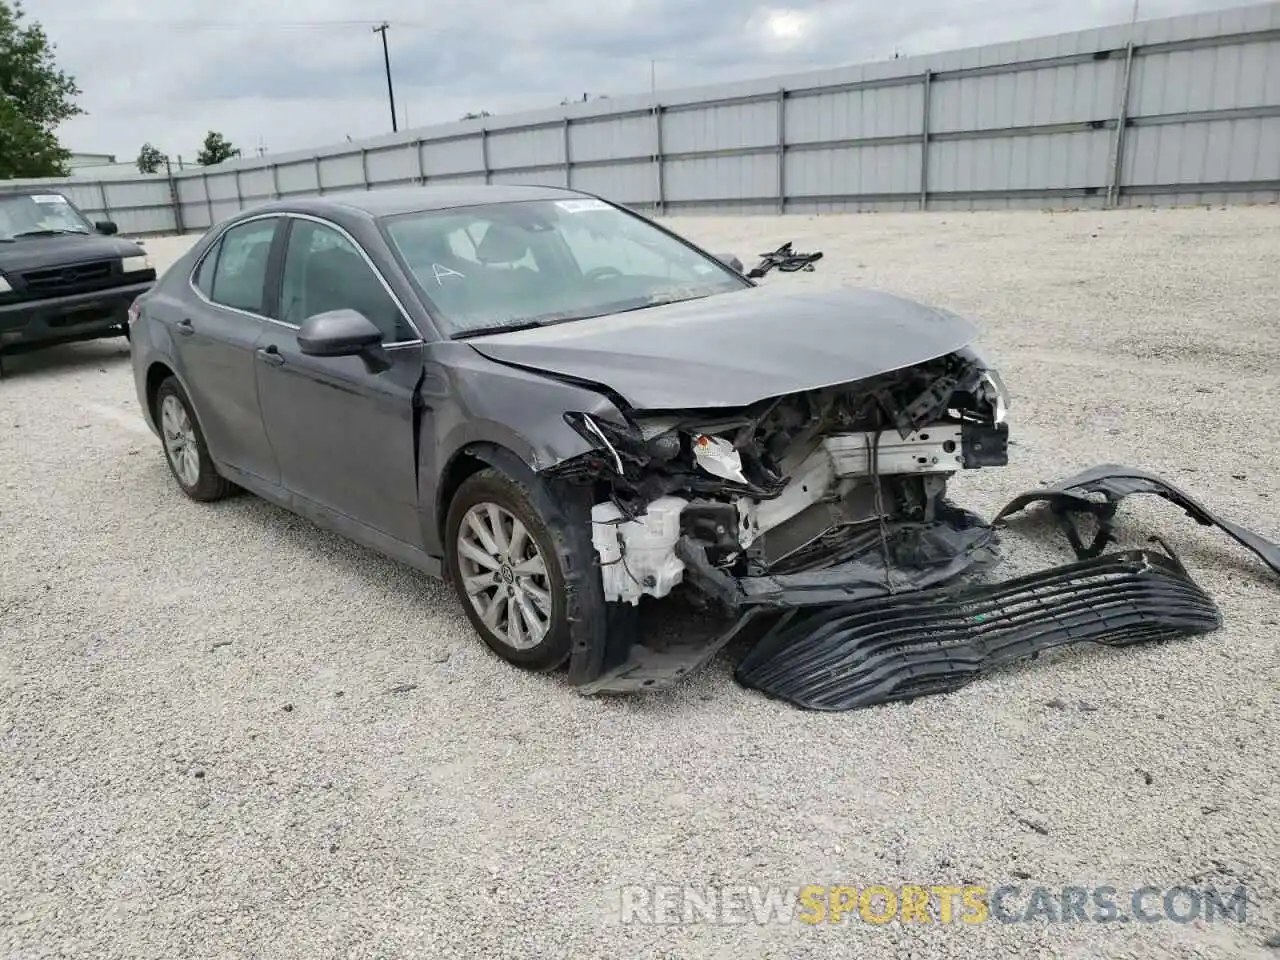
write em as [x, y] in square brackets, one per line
[61, 277]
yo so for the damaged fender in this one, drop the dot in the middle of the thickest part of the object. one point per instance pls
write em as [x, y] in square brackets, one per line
[1115, 483]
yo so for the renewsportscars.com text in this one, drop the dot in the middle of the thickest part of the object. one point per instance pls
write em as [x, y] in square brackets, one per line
[967, 904]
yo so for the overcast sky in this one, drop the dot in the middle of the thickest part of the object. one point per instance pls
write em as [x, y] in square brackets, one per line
[309, 74]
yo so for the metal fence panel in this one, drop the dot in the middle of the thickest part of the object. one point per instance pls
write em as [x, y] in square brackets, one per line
[452, 156]
[1185, 109]
[855, 114]
[630, 136]
[526, 148]
[397, 165]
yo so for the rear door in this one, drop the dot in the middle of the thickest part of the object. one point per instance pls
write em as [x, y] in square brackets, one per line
[344, 436]
[215, 337]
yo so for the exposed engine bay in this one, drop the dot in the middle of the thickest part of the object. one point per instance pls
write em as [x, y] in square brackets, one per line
[795, 484]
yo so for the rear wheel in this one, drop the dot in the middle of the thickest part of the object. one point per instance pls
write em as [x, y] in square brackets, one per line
[504, 563]
[184, 446]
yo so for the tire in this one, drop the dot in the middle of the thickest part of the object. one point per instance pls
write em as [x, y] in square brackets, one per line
[184, 448]
[497, 501]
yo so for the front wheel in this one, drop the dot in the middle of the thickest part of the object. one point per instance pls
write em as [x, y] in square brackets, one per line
[184, 446]
[505, 565]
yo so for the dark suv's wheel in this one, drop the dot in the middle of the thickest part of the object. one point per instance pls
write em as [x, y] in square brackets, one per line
[507, 565]
[184, 446]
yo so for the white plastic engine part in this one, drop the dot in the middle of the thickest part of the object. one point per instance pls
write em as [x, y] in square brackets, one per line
[718, 457]
[638, 557]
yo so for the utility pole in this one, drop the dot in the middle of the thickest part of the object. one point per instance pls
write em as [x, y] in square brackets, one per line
[386, 60]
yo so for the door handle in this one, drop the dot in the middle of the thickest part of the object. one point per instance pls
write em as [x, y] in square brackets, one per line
[186, 328]
[270, 355]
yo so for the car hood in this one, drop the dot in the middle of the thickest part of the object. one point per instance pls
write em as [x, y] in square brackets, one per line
[29, 253]
[734, 349]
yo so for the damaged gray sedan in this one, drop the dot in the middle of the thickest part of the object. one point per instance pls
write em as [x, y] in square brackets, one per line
[565, 410]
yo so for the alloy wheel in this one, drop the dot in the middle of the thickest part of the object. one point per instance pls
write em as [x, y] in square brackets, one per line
[504, 575]
[180, 441]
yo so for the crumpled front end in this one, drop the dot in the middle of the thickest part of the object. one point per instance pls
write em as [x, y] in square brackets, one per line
[824, 496]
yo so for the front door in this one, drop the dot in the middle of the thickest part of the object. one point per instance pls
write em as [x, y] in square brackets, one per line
[216, 338]
[343, 436]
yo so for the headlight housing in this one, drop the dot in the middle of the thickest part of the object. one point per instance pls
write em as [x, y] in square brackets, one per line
[135, 264]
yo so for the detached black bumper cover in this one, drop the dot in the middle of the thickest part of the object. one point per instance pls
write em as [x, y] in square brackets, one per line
[853, 655]
[1115, 483]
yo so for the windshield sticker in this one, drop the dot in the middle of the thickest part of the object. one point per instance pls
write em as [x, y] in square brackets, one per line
[581, 206]
[48, 198]
[441, 272]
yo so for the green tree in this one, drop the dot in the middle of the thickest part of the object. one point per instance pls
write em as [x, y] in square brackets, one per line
[216, 149]
[149, 158]
[35, 97]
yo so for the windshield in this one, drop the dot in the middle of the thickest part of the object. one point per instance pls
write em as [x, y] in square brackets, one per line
[38, 214]
[505, 265]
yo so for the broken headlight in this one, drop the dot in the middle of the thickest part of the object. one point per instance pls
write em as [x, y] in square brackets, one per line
[990, 388]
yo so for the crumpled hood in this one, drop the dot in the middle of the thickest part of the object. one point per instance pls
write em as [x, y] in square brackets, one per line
[734, 349]
[31, 253]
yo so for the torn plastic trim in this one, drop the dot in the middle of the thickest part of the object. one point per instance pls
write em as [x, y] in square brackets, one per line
[850, 656]
[1116, 482]
[646, 669]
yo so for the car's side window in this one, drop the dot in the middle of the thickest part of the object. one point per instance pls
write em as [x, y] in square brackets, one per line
[240, 273]
[324, 271]
[204, 274]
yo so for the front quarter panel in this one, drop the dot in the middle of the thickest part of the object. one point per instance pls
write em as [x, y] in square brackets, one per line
[469, 400]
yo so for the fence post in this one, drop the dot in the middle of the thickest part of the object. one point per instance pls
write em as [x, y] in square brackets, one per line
[106, 207]
[175, 199]
[568, 159]
[782, 151]
[275, 182]
[422, 170]
[239, 195]
[484, 152]
[1122, 120]
[364, 167]
[926, 100]
[208, 200]
[660, 203]
[319, 182]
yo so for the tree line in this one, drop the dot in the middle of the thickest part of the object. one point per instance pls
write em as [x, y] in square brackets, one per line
[35, 97]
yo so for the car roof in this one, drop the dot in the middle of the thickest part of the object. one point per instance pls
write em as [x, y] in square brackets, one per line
[387, 202]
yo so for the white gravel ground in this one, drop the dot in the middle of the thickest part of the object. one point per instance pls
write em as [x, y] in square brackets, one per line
[203, 755]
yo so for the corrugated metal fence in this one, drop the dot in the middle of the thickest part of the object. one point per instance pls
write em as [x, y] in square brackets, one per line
[1175, 111]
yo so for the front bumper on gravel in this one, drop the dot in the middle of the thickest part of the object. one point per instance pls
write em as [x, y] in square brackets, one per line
[845, 656]
[849, 636]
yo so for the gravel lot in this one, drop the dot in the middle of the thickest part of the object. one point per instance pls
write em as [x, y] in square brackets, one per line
[204, 754]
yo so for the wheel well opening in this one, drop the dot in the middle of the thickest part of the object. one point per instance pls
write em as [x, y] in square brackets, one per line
[157, 373]
[462, 466]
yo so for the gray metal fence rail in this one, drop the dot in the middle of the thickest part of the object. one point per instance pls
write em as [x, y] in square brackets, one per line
[1182, 110]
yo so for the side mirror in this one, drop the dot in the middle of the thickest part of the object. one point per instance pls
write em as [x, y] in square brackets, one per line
[730, 261]
[107, 228]
[338, 333]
